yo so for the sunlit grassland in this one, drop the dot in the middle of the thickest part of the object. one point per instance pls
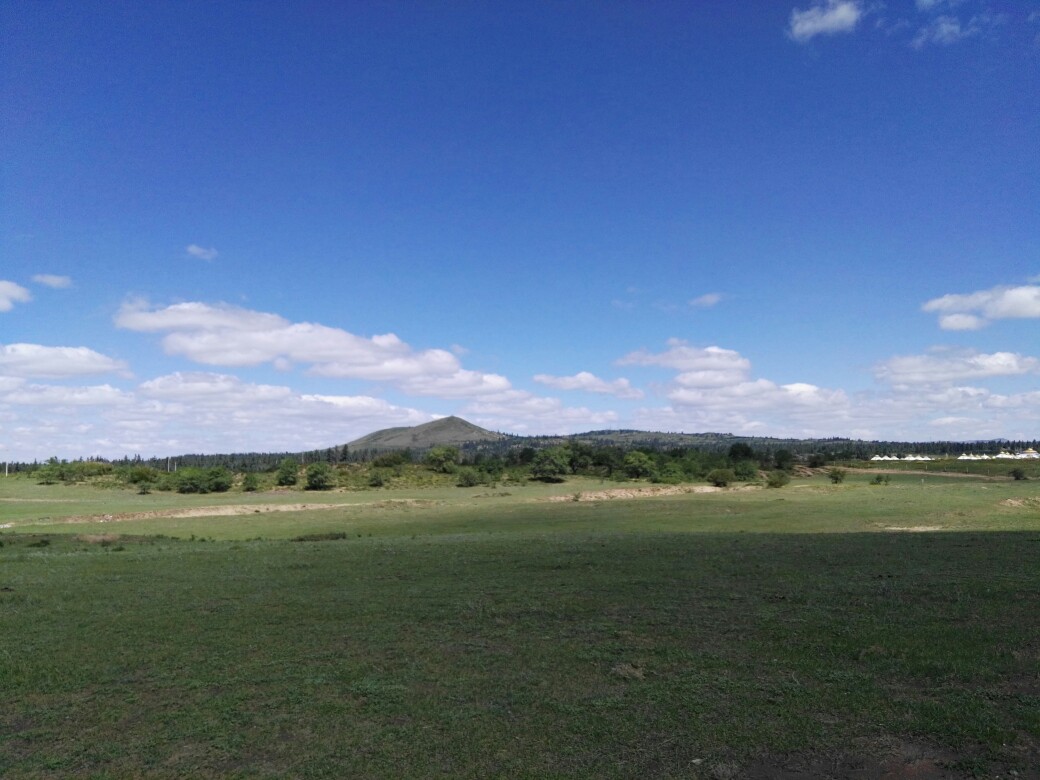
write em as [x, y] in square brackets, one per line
[467, 633]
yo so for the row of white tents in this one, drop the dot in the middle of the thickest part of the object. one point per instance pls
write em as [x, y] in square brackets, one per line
[1029, 454]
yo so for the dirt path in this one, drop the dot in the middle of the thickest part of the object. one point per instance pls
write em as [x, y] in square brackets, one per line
[925, 473]
[232, 510]
[643, 492]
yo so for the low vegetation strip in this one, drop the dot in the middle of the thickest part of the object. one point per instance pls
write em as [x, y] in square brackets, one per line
[231, 510]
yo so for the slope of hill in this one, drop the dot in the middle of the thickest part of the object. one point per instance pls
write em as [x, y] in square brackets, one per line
[449, 431]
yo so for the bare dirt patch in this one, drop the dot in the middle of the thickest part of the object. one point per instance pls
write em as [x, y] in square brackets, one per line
[640, 492]
[914, 528]
[1022, 503]
[232, 510]
[97, 538]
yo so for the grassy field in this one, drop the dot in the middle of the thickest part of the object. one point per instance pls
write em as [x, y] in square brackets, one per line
[496, 633]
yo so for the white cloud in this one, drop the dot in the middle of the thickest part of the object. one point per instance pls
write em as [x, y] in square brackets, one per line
[36, 361]
[198, 387]
[943, 30]
[680, 355]
[225, 335]
[202, 253]
[973, 310]
[943, 366]
[61, 396]
[8, 383]
[950, 421]
[590, 383]
[524, 412]
[713, 391]
[759, 394]
[52, 280]
[11, 293]
[908, 413]
[181, 413]
[937, 5]
[824, 18]
[461, 384]
[961, 322]
[706, 301]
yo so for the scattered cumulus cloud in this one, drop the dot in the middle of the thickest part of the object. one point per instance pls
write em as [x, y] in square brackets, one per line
[223, 335]
[11, 293]
[40, 362]
[951, 21]
[944, 366]
[706, 301]
[680, 355]
[590, 383]
[525, 412]
[201, 252]
[53, 280]
[961, 322]
[462, 383]
[65, 398]
[936, 5]
[972, 311]
[824, 18]
[185, 412]
[943, 30]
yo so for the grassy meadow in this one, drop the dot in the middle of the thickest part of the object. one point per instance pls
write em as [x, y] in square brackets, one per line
[815, 630]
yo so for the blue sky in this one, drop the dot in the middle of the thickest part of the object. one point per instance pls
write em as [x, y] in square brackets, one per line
[275, 226]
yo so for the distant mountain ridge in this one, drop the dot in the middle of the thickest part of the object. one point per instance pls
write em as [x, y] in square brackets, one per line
[448, 431]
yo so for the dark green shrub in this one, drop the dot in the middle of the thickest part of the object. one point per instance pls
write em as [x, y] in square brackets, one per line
[288, 473]
[745, 470]
[721, 477]
[469, 478]
[836, 475]
[778, 479]
[320, 476]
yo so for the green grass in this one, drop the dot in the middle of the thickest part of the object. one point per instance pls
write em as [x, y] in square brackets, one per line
[487, 635]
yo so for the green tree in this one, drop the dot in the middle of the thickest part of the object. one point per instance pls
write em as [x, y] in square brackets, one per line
[638, 464]
[50, 474]
[287, 473]
[741, 451]
[581, 456]
[443, 459]
[320, 476]
[551, 464]
[783, 459]
[745, 470]
[218, 479]
[250, 482]
[190, 479]
[836, 475]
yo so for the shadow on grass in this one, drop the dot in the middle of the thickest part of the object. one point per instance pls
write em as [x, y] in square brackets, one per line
[525, 655]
